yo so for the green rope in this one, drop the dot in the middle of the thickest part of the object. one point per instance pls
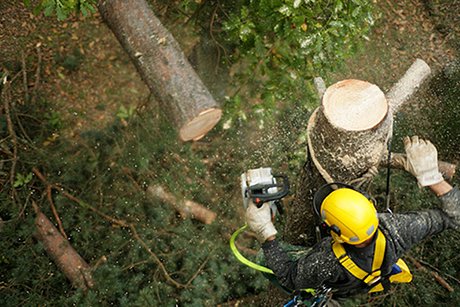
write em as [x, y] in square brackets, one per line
[241, 257]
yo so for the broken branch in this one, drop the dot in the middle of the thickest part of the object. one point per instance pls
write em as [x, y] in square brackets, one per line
[81, 203]
[58, 248]
[186, 208]
[5, 96]
[438, 278]
[56, 216]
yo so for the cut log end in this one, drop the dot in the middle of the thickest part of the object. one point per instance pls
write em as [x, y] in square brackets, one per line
[354, 105]
[196, 128]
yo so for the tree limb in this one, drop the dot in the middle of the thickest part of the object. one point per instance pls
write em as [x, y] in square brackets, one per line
[186, 208]
[81, 203]
[438, 278]
[5, 95]
[398, 160]
[58, 248]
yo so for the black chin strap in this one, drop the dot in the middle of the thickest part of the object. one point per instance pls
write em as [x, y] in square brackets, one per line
[387, 195]
[310, 177]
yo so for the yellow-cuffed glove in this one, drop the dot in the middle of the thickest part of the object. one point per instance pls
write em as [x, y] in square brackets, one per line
[422, 161]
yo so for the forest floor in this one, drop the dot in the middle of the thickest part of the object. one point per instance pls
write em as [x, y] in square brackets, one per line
[87, 78]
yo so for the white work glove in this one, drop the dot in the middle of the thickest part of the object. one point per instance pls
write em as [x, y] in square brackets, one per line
[260, 221]
[422, 161]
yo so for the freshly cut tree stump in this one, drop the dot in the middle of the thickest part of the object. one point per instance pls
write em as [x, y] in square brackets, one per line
[349, 146]
[163, 66]
[348, 134]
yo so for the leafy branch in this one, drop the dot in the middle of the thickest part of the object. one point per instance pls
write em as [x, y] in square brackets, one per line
[63, 8]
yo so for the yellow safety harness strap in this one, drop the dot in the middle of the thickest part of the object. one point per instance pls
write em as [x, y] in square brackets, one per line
[379, 253]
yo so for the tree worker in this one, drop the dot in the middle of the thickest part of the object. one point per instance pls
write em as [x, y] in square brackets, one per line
[365, 250]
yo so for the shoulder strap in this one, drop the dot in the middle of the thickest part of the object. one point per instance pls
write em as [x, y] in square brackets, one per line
[355, 270]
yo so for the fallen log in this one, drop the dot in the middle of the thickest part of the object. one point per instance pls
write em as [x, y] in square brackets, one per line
[186, 208]
[163, 66]
[62, 253]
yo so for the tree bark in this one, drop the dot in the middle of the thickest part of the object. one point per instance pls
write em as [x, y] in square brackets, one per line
[62, 253]
[163, 66]
[342, 151]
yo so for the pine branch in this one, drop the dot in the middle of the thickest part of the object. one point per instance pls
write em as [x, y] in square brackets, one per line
[56, 216]
[122, 223]
[5, 96]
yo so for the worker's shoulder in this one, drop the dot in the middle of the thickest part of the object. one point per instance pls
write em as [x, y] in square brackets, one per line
[389, 222]
[324, 248]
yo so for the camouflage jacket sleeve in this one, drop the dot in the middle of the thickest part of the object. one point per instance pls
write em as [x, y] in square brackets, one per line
[450, 205]
[404, 230]
[311, 271]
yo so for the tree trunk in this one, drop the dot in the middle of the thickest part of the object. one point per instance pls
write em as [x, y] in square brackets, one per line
[163, 66]
[345, 142]
[347, 137]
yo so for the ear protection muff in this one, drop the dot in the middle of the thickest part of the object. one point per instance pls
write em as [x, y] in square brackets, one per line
[322, 193]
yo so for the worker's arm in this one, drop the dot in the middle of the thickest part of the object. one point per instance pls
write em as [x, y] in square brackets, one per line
[308, 272]
[312, 270]
[422, 162]
[441, 188]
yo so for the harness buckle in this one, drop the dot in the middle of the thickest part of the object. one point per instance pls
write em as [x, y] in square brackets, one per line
[374, 281]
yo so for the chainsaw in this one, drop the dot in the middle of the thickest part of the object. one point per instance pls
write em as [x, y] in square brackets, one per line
[260, 186]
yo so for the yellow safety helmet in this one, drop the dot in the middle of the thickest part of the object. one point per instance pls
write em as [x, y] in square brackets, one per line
[348, 213]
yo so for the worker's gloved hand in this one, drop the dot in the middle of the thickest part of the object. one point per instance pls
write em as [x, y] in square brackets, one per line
[260, 221]
[422, 161]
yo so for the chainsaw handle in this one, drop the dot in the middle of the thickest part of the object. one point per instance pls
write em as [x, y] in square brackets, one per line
[259, 192]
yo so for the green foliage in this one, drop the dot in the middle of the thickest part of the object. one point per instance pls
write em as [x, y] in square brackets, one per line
[278, 47]
[54, 119]
[110, 170]
[126, 113]
[22, 180]
[63, 8]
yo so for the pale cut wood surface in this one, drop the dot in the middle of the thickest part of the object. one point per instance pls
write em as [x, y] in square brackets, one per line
[354, 105]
